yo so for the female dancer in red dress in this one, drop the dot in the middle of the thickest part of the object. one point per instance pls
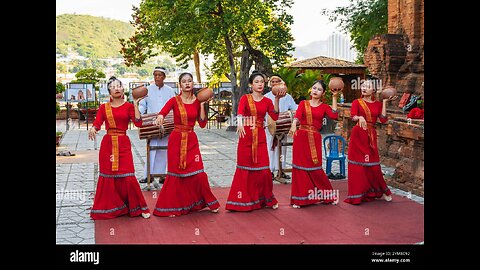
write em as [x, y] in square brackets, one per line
[118, 192]
[365, 178]
[186, 186]
[252, 186]
[310, 184]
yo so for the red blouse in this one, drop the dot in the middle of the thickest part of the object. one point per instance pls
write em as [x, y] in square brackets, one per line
[122, 115]
[193, 112]
[375, 111]
[264, 106]
[318, 113]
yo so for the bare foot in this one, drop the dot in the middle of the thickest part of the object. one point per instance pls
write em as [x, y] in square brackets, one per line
[172, 216]
[215, 210]
[387, 198]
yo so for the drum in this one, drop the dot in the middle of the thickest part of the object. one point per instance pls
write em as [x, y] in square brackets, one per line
[282, 125]
[149, 130]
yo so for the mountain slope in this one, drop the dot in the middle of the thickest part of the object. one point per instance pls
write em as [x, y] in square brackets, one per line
[313, 49]
[90, 36]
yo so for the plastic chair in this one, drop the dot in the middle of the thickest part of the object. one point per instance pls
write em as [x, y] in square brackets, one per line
[335, 152]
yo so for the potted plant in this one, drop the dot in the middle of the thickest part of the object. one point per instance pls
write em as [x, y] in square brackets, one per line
[59, 136]
[60, 88]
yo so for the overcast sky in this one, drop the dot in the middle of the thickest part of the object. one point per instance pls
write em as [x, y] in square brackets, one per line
[309, 25]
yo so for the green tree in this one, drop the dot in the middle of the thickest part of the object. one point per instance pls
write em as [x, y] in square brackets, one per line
[238, 36]
[89, 75]
[59, 87]
[362, 19]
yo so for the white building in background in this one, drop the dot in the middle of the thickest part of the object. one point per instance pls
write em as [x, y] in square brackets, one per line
[340, 47]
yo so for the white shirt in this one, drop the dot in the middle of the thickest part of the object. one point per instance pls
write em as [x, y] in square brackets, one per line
[157, 98]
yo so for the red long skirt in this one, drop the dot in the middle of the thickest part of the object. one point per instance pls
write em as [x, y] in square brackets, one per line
[310, 184]
[251, 190]
[365, 177]
[118, 196]
[118, 192]
[252, 185]
[182, 195]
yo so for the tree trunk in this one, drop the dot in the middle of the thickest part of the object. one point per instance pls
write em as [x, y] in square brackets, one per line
[233, 81]
[196, 61]
[262, 63]
[245, 65]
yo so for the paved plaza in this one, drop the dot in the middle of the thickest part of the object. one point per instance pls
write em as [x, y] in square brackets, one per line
[76, 176]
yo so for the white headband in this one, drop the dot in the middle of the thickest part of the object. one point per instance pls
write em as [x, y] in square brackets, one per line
[161, 70]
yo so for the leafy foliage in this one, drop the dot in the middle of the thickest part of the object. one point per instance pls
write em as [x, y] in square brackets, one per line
[183, 27]
[89, 75]
[299, 84]
[60, 87]
[362, 19]
[237, 35]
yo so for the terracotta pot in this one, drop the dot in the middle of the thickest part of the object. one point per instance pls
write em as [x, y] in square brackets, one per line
[388, 91]
[204, 94]
[277, 88]
[139, 91]
[336, 83]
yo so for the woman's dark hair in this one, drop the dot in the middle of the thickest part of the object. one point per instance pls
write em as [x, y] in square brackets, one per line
[184, 74]
[255, 74]
[322, 83]
[111, 80]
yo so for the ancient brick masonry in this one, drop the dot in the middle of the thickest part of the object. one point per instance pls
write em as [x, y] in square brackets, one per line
[403, 149]
[397, 58]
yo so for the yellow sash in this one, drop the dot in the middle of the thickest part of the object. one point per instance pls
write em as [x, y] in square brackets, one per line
[311, 131]
[112, 125]
[184, 141]
[370, 124]
[253, 112]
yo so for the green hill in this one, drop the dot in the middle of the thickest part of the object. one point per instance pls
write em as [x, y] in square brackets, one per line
[90, 36]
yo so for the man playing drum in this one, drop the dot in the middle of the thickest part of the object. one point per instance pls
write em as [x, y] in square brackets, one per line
[286, 103]
[158, 95]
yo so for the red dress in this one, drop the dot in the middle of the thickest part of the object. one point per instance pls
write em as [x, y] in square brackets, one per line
[310, 184]
[118, 192]
[252, 186]
[365, 178]
[186, 186]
